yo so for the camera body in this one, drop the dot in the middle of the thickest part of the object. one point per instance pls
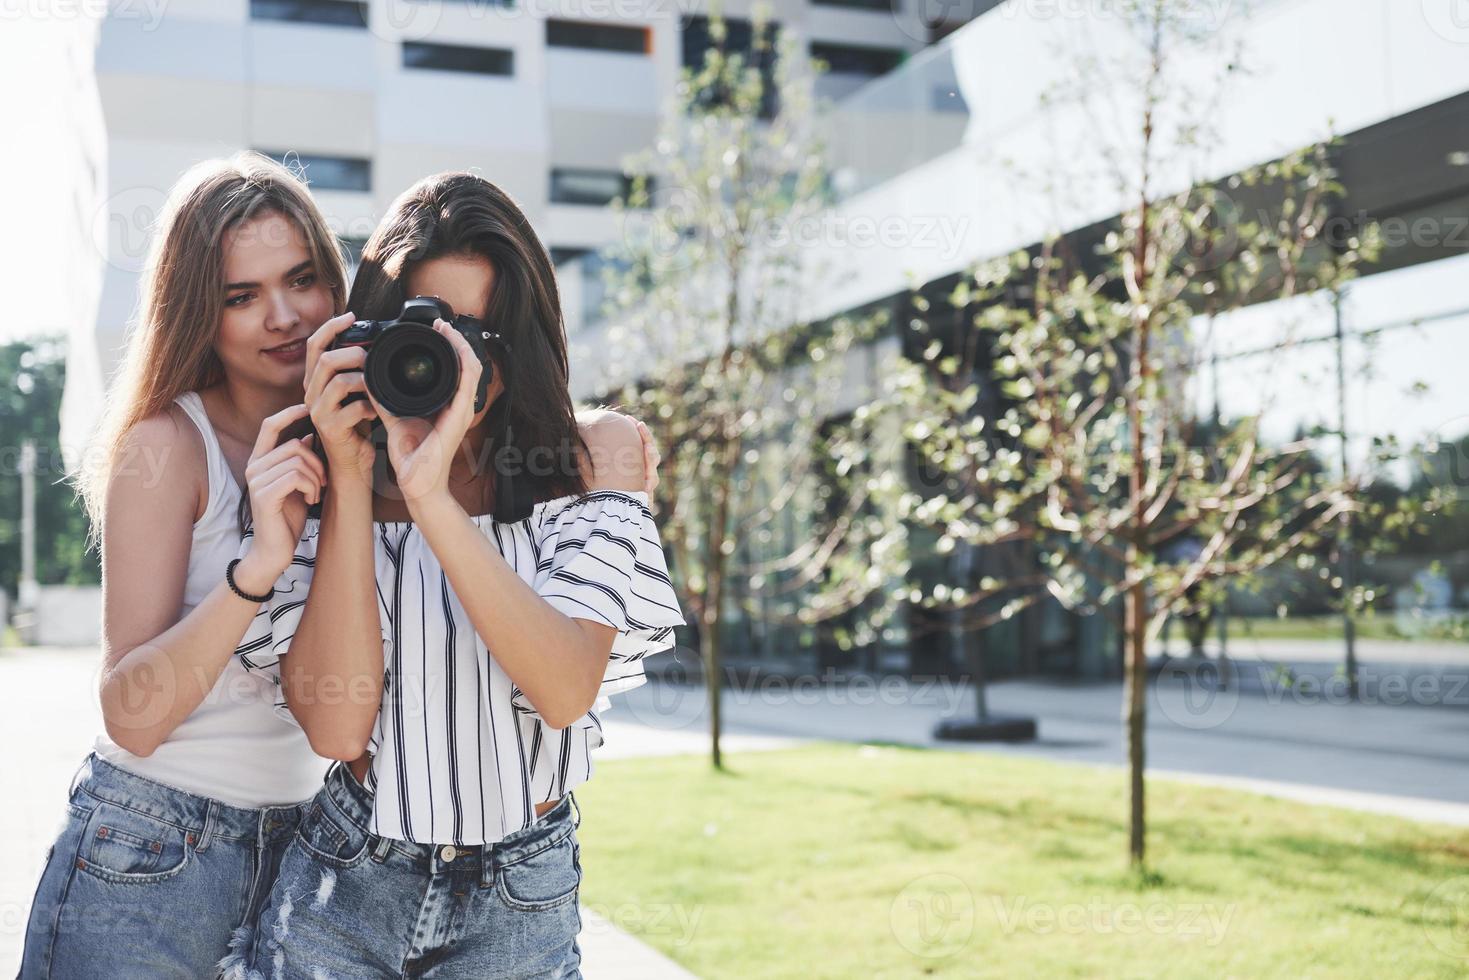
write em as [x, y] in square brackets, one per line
[412, 369]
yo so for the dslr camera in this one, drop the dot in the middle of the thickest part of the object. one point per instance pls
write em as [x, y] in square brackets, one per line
[412, 369]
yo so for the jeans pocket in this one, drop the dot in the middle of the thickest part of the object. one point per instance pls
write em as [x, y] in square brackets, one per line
[332, 839]
[125, 846]
[546, 879]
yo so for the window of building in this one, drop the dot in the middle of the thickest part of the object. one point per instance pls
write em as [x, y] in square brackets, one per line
[352, 251]
[327, 173]
[457, 57]
[562, 254]
[739, 39]
[598, 37]
[596, 187]
[940, 27]
[587, 270]
[885, 6]
[856, 59]
[333, 13]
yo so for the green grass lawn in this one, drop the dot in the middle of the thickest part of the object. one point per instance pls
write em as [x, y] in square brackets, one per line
[1383, 627]
[852, 861]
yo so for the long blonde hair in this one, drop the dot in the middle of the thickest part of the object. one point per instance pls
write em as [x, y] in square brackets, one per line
[171, 347]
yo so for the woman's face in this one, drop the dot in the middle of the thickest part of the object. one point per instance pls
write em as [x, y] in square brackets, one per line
[274, 297]
[465, 283]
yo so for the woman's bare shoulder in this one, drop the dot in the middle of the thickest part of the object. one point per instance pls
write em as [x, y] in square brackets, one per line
[162, 457]
[616, 450]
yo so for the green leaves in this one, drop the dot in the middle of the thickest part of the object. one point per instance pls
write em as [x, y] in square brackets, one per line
[32, 376]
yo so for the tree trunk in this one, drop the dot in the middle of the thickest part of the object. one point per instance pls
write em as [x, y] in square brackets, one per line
[1135, 618]
[714, 596]
[713, 671]
[1135, 716]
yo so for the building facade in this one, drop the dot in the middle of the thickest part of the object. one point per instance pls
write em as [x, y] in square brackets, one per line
[954, 158]
[947, 131]
[545, 97]
[50, 256]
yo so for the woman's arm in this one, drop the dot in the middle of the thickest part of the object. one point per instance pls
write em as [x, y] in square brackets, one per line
[332, 675]
[158, 668]
[557, 660]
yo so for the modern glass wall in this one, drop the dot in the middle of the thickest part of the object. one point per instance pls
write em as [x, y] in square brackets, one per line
[1404, 342]
[895, 124]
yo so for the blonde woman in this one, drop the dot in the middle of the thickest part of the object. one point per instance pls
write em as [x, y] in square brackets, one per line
[177, 822]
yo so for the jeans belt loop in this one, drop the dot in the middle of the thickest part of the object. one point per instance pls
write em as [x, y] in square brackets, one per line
[489, 861]
[207, 834]
[83, 771]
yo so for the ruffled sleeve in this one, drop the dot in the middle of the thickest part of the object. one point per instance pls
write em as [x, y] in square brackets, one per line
[268, 637]
[269, 633]
[599, 557]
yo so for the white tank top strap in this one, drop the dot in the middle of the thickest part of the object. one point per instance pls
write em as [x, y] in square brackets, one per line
[221, 481]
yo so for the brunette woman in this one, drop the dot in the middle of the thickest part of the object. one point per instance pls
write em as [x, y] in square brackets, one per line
[491, 608]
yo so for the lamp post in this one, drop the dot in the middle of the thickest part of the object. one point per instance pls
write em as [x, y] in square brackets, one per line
[27, 591]
[1344, 524]
[986, 726]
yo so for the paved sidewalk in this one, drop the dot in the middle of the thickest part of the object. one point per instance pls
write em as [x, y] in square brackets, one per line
[1243, 646]
[1397, 756]
[1411, 807]
[608, 953]
[48, 719]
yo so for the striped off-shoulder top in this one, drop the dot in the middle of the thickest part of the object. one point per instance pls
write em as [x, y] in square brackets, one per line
[460, 756]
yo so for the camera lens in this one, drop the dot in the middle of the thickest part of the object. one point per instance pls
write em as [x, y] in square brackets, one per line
[412, 370]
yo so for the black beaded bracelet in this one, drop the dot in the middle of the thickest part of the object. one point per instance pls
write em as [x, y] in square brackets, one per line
[229, 576]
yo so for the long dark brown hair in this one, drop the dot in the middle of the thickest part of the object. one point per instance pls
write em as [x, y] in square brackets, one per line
[464, 214]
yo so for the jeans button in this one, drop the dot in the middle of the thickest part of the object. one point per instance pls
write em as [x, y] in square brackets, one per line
[449, 852]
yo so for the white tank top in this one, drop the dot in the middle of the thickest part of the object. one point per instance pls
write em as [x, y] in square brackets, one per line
[234, 747]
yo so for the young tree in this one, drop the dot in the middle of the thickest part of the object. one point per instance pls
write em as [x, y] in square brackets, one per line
[1057, 413]
[710, 340]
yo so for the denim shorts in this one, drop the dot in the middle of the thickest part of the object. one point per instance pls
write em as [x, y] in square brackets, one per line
[348, 903]
[147, 881]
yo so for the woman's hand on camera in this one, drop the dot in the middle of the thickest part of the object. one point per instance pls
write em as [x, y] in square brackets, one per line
[331, 376]
[282, 480]
[421, 450]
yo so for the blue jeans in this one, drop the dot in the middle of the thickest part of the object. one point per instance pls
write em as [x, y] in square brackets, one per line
[147, 881]
[348, 903]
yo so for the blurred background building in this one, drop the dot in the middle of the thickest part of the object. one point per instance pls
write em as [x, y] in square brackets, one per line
[545, 98]
[53, 275]
[944, 136]
[963, 144]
